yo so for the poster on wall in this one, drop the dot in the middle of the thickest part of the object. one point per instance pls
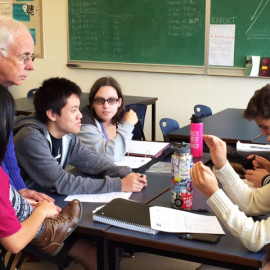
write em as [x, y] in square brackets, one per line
[29, 13]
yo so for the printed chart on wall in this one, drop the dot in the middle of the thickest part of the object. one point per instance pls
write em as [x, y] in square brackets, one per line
[29, 13]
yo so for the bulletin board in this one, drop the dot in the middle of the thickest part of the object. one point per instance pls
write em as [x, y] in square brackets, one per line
[29, 13]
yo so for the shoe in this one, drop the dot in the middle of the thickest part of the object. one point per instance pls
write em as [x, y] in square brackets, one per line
[57, 229]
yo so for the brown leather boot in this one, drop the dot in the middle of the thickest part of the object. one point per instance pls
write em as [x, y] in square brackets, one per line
[57, 229]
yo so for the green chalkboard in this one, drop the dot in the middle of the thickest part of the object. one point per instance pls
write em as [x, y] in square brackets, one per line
[252, 27]
[137, 31]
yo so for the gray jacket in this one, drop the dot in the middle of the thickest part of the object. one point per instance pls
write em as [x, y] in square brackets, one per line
[33, 151]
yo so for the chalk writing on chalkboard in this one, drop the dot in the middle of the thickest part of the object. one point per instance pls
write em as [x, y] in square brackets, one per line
[141, 31]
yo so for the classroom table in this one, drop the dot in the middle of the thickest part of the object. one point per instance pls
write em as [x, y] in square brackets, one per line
[25, 106]
[158, 184]
[228, 252]
[228, 124]
[87, 228]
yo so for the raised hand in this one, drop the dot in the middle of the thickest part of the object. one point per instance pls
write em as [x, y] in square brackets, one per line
[218, 150]
[131, 117]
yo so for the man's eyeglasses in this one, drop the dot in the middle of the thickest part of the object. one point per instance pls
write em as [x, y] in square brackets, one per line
[23, 58]
[110, 101]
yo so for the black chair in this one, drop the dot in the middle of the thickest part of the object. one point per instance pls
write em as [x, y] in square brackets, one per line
[140, 110]
[3, 253]
[3, 265]
[167, 125]
[202, 111]
[62, 260]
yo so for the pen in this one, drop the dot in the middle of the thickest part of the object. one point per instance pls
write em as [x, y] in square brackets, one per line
[257, 137]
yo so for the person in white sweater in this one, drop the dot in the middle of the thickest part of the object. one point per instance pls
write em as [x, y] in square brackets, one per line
[258, 109]
[238, 200]
[106, 127]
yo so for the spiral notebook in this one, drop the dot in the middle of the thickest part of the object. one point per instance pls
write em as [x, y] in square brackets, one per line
[141, 217]
[126, 214]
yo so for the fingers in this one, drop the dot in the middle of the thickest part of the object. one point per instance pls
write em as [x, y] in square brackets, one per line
[45, 197]
[142, 179]
[212, 142]
[208, 139]
[32, 202]
[196, 174]
[251, 157]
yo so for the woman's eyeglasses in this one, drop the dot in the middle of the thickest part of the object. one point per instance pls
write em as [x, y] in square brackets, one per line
[110, 101]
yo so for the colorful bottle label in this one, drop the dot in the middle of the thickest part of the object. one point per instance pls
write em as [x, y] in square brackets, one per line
[181, 184]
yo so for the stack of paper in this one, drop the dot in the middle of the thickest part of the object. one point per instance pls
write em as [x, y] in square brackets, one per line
[246, 147]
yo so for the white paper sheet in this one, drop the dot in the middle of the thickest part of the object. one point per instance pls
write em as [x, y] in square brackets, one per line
[97, 198]
[133, 162]
[178, 221]
[247, 147]
[255, 66]
[221, 44]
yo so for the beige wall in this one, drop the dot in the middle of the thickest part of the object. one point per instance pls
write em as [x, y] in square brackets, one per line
[177, 94]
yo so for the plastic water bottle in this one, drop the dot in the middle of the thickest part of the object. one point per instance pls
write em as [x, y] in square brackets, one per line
[196, 136]
[181, 184]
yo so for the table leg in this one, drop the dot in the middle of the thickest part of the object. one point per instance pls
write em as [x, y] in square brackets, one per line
[113, 256]
[154, 121]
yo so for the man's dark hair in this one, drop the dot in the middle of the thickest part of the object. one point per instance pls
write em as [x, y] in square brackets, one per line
[107, 81]
[6, 119]
[53, 95]
[259, 104]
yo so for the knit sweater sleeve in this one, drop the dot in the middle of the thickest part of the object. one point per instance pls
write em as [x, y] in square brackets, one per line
[10, 166]
[253, 234]
[251, 201]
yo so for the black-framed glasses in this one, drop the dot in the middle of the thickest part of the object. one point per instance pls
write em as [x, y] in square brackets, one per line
[23, 58]
[110, 101]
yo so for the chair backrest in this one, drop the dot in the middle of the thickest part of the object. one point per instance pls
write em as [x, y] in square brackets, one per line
[140, 110]
[31, 92]
[62, 260]
[6, 264]
[202, 110]
[167, 125]
[2, 258]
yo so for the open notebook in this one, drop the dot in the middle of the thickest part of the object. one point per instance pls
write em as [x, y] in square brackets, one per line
[147, 148]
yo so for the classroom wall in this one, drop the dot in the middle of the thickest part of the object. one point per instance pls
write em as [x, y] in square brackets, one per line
[177, 93]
